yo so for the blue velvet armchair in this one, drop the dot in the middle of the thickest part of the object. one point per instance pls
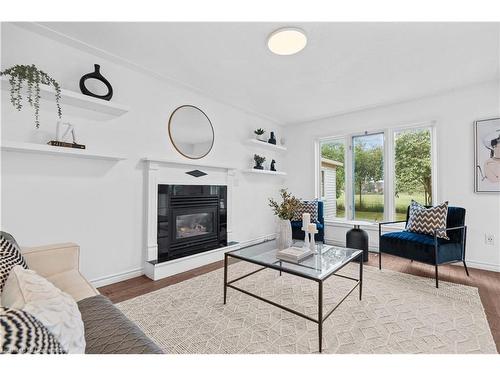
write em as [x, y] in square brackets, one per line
[298, 233]
[425, 248]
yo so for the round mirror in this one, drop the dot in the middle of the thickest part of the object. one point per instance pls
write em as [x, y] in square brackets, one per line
[191, 132]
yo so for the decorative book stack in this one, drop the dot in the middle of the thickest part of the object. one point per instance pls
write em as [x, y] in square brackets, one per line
[66, 144]
[294, 254]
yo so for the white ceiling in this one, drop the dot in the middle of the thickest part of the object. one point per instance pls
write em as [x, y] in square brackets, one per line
[345, 66]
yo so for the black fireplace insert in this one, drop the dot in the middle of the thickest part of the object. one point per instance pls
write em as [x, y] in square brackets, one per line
[191, 219]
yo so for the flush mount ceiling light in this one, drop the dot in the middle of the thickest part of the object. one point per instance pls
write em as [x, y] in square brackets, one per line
[287, 41]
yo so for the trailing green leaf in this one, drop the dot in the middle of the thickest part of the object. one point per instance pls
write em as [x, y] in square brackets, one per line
[33, 78]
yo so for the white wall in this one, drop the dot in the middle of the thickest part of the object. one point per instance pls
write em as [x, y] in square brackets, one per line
[454, 114]
[99, 204]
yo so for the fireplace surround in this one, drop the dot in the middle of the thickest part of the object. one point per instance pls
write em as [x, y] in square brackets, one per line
[191, 219]
[159, 171]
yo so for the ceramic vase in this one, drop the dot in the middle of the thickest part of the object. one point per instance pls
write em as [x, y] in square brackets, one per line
[272, 139]
[96, 74]
[258, 166]
[284, 234]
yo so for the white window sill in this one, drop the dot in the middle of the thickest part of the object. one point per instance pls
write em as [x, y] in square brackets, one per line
[374, 226]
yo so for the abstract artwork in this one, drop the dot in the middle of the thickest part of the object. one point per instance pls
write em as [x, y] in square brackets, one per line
[487, 155]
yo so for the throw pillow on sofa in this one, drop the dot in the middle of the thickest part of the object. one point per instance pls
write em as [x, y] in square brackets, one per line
[10, 256]
[425, 220]
[22, 333]
[310, 207]
[56, 310]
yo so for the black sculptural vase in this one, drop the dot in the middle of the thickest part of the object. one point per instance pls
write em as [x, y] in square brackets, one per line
[96, 74]
[273, 165]
[272, 139]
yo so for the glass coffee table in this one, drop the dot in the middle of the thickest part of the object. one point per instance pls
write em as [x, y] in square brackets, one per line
[318, 267]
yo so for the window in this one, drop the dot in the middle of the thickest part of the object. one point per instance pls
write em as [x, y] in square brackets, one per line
[374, 177]
[412, 169]
[332, 177]
[368, 177]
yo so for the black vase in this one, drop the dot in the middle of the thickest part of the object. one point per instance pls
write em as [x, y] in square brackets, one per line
[272, 139]
[273, 165]
[258, 166]
[357, 238]
[96, 74]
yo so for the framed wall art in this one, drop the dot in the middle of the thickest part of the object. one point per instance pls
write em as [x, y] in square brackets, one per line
[487, 155]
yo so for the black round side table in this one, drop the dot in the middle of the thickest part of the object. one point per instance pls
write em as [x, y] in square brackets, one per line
[357, 238]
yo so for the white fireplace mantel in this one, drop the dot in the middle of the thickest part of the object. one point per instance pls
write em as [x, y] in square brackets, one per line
[190, 164]
[171, 172]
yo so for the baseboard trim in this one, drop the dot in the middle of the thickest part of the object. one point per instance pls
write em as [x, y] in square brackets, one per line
[255, 241]
[470, 263]
[480, 265]
[117, 277]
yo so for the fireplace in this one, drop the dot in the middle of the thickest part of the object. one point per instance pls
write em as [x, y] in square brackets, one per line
[191, 219]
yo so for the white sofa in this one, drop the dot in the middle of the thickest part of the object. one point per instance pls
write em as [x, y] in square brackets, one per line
[59, 264]
[107, 329]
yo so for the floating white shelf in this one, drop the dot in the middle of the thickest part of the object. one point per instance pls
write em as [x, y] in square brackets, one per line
[264, 171]
[265, 145]
[79, 102]
[35, 148]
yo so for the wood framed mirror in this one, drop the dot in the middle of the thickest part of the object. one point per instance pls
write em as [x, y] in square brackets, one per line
[191, 132]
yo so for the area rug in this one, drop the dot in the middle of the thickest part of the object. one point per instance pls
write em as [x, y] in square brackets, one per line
[399, 313]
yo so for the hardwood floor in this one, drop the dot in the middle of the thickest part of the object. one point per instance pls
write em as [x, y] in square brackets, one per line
[487, 282]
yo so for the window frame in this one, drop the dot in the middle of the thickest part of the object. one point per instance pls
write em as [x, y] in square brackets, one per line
[389, 165]
[434, 165]
[318, 168]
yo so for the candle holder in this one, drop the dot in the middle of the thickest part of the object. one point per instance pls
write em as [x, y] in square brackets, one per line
[312, 244]
[306, 238]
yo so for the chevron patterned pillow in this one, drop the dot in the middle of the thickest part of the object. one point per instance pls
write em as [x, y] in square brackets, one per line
[10, 256]
[310, 207]
[425, 220]
[22, 333]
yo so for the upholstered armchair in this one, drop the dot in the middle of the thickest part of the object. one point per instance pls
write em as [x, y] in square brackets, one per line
[298, 233]
[426, 248]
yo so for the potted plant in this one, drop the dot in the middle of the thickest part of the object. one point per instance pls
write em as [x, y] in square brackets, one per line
[285, 212]
[258, 161]
[259, 133]
[33, 77]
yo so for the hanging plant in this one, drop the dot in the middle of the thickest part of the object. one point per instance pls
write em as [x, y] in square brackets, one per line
[33, 78]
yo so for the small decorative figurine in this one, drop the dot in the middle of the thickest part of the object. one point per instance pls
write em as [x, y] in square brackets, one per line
[63, 130]
[273, 168]
[96, 74]
[272, 139]
[258, 161]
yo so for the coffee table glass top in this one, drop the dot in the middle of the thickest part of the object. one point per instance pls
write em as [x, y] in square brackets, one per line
[318, 266]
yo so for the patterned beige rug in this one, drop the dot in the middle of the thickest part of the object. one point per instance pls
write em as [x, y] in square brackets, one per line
[399, 313]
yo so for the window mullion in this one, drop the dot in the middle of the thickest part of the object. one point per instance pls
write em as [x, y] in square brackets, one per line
[349, 175]
[389, 173]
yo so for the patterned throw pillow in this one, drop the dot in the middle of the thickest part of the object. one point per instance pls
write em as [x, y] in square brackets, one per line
[22, 333]
[425, 220]
[310, 207]
[10, 256]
